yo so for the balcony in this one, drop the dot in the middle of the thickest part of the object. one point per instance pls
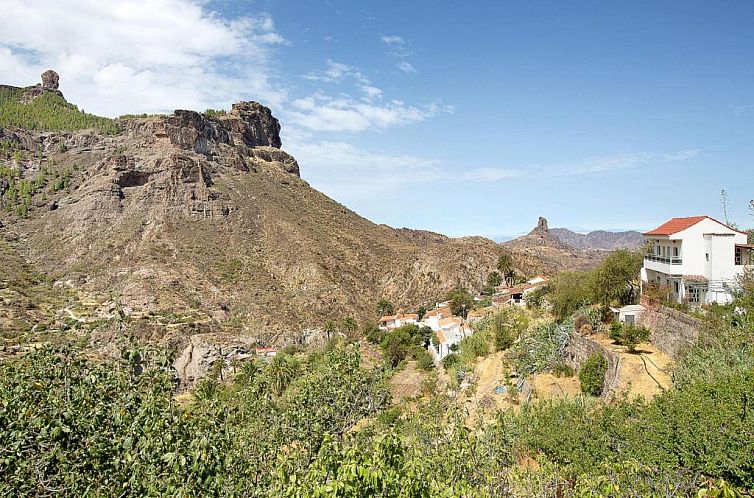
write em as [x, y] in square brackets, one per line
[668, 260]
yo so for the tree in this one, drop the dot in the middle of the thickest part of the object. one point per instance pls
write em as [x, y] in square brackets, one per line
[592, 374]
[461, 301]
[569, 292]
[248, 373]
[421, 311]
[350, 326]
[281, 370]
[329, 328]
[629, 335]
[385, 307]
[613, 279]
[505, 265]
[494, 279]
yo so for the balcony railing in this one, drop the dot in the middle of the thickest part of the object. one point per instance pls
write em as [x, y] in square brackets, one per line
[668, 260]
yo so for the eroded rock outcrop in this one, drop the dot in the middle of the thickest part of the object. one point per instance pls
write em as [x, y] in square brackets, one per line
[50, 80]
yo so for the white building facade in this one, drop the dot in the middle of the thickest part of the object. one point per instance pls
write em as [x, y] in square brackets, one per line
[698, 259]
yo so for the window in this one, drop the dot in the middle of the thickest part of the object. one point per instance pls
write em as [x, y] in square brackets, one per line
[693, 292]
[706, 255]
[676, 287]
[675, 252]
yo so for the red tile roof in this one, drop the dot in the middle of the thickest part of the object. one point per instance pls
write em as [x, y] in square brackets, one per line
[678, 224]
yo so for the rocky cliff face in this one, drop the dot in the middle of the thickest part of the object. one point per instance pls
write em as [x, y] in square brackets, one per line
[200, 223]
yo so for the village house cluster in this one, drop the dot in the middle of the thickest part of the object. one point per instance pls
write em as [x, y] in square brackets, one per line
[450, 329]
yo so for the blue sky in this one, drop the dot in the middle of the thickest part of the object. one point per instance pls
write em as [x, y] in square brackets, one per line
[464, 118]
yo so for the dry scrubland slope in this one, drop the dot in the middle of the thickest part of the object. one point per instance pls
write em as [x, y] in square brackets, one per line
[205, 212]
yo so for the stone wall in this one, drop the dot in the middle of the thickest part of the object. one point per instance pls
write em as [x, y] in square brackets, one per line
[672, 331]
[581, 347]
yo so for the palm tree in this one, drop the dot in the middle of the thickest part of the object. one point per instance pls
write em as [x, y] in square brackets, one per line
[249, 371]
[281, 371]
[384, 307]
[350, 326]
[329, 328]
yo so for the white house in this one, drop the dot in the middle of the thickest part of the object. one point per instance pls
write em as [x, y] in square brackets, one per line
[698, 258]
[449, 331]
[390, 322]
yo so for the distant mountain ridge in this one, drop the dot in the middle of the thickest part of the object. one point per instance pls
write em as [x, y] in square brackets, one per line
[540, 251]
[600, 240]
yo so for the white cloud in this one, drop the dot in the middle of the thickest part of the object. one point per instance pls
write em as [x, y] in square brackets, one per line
[139, 56]
[336, 72]
[392, 40]
[406, 67]
[613, 163]
[739, 110]
[322, 112]
[370, 173]
[349, 173]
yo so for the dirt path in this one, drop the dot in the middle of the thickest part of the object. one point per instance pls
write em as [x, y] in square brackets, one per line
[490, 373]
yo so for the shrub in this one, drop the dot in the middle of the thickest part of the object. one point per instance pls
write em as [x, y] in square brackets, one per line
[452, 360]
[562, 370]
[461, 301]
[423, 359]
[536, 298]
[616, 329]
[628, 335]
[579, 322]
[372, 332]
[592, 374]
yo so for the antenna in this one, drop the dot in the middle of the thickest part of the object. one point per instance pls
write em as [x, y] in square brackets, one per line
[724, 202]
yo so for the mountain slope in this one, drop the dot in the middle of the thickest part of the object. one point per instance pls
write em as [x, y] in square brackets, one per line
[540, 251]
[197, 222]
[599, 239]
[204, 218]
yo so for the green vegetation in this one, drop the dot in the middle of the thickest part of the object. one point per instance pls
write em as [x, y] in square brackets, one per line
[505, 265]
[80, 427]
[611, 282]
[540, 348]
[385, 307]
[215, 112]
[461, 301]
[48, 112]
[629, 335]
[319, 424]
[405, 341]
[592, 374]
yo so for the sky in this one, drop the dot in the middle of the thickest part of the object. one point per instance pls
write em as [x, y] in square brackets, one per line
[465, 118]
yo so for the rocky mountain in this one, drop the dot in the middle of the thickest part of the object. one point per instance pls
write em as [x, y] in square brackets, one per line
[599, 239]
[202, 222]
[170, 226]
[540, 251]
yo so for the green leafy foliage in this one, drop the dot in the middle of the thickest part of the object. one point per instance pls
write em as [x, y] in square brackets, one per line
[540, 348]
[385, 307]
[461, 301]
[404, 341]
[629, 335]
[592, 374]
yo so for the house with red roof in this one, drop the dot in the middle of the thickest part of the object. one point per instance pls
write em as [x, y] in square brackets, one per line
[697, 258]
[390, 322]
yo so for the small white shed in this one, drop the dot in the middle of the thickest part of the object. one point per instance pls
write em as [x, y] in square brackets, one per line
[628, 314]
